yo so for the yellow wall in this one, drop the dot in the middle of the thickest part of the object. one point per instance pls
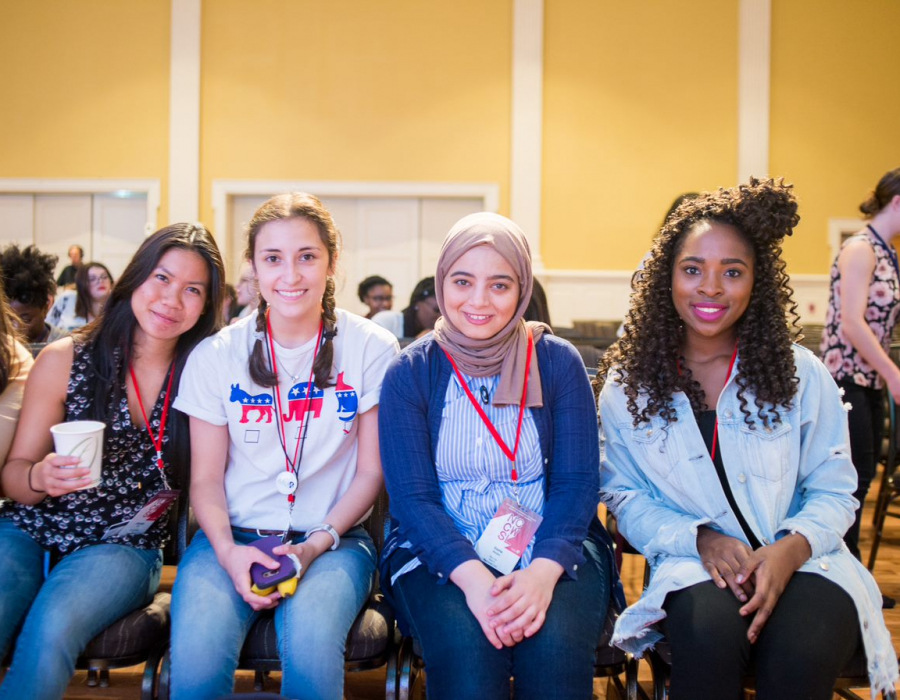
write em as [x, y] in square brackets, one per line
[85, 89]
[640, 105]
[835, 108]
[356, 90]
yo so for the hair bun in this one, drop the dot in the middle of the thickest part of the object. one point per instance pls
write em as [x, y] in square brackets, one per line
[766, 209]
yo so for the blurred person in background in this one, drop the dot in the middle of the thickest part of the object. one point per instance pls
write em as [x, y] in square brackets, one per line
[30, 288]
[376, 293]
[76, 308]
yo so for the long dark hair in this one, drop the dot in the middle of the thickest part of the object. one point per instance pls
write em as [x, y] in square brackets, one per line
[111, 337]
[297, 205]
[647, 358]
[83, 288]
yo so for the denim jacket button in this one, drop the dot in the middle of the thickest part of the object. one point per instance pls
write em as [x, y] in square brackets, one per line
[728, 413]
[742, 478]
[649, 432]
[768, 428]
[824, 566]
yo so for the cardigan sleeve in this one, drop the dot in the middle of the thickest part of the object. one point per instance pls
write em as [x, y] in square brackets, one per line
[574, 462]
[409, 469]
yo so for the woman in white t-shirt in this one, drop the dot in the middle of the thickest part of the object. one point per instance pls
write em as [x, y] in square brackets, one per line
[284, 423]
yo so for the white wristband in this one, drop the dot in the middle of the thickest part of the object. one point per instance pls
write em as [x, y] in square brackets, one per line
[325, 527]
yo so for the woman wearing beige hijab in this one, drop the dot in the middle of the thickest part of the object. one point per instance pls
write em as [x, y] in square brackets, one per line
[497, 564]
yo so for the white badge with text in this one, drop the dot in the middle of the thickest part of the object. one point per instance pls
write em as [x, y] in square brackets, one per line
[143, 520]
[506, 537]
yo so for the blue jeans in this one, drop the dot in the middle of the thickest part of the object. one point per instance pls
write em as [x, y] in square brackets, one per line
[556, 664]
[84, 594]
[210, 621]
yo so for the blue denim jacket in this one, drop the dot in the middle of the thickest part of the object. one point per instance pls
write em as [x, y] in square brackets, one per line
[794, 476]
[412, 400]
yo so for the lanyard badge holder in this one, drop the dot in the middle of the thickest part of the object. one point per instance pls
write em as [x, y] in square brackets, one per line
[288, 480]
[157, 506]
[513, 526]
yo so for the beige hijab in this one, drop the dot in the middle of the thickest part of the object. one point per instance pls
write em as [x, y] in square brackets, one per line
[503, 354]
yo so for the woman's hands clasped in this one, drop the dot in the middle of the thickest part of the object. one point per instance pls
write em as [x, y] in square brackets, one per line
[58, 475]
[512, 607]
[757, 578]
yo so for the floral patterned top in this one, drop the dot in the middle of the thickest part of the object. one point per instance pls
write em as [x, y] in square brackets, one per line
[129, 478]
[839, 356]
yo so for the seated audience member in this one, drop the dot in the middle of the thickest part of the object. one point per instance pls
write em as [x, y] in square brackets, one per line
[538, 308]
[76, 308]
[230, 308]
[725, 460]
[247, 292]
[15, 364]
[67, 276]
[122, 371]
[376, 293]
[489, 421]
[416, 319]
[283, 408]
[30, 289]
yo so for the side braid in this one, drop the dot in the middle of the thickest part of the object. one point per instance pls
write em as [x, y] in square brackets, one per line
[325, 358]
[260, 371]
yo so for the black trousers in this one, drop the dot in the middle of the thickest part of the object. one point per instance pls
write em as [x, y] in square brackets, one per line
[866, 428]
[811, 635]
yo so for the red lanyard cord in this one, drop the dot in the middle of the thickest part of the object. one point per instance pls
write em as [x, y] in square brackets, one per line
[715, 439]
[291, 466]
[157, 441]
[510, 454]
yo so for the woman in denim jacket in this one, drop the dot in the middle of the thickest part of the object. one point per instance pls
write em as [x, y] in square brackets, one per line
[724, 458]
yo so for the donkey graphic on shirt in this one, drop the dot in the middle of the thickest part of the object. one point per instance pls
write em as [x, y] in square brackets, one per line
[249, 402]
[299, 396]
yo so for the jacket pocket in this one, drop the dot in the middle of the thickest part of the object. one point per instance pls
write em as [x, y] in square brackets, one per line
[654, 451]
[767, 449]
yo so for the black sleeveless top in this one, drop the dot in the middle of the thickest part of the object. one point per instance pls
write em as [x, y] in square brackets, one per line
[128, 480]
[706, 421]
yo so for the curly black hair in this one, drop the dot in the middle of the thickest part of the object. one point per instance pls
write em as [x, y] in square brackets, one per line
[28, 275]
[646, 359]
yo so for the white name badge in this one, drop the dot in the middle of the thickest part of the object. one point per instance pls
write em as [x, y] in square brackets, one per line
[286, 483]
[506, 537]
[143, 520]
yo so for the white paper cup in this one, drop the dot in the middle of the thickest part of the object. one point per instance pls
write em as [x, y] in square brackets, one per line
[84, 439]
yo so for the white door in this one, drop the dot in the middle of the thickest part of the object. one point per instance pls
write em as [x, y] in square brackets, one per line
[16, 219]
[119, 227]
[61, 221]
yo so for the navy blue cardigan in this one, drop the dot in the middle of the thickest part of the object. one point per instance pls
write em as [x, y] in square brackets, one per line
[410, 409]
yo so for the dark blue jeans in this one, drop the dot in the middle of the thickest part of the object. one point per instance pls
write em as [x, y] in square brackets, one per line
[555, 664]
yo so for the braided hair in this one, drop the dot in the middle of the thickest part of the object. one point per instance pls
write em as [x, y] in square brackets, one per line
[646, 359]
[290, 206]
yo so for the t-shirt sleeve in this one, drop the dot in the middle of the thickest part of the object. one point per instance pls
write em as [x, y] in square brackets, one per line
[382, 353]
[199, 393]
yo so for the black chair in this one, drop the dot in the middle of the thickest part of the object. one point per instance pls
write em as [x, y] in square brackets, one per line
[370, 643]
[889, 490]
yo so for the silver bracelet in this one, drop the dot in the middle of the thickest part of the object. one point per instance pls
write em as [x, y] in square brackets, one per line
[325, 527]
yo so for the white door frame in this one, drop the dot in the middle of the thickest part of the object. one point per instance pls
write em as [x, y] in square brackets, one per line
[222, 190]
[148, 188]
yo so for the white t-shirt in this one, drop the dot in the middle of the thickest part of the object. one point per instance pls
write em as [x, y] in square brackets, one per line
[216, 387]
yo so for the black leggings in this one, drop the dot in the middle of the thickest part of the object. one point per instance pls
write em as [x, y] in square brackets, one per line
[811, 635]
[866, 427]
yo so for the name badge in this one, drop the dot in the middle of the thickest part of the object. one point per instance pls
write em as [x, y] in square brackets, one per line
[506, 537]
[143, 520]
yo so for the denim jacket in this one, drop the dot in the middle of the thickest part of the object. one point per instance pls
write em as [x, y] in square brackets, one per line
[793, 476]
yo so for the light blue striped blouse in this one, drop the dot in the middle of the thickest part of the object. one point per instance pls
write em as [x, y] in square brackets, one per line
[474, 473]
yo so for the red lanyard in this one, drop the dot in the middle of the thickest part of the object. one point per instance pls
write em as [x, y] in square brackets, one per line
[716, 429]
[282, 434]
[157, 442]
[510, 454]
